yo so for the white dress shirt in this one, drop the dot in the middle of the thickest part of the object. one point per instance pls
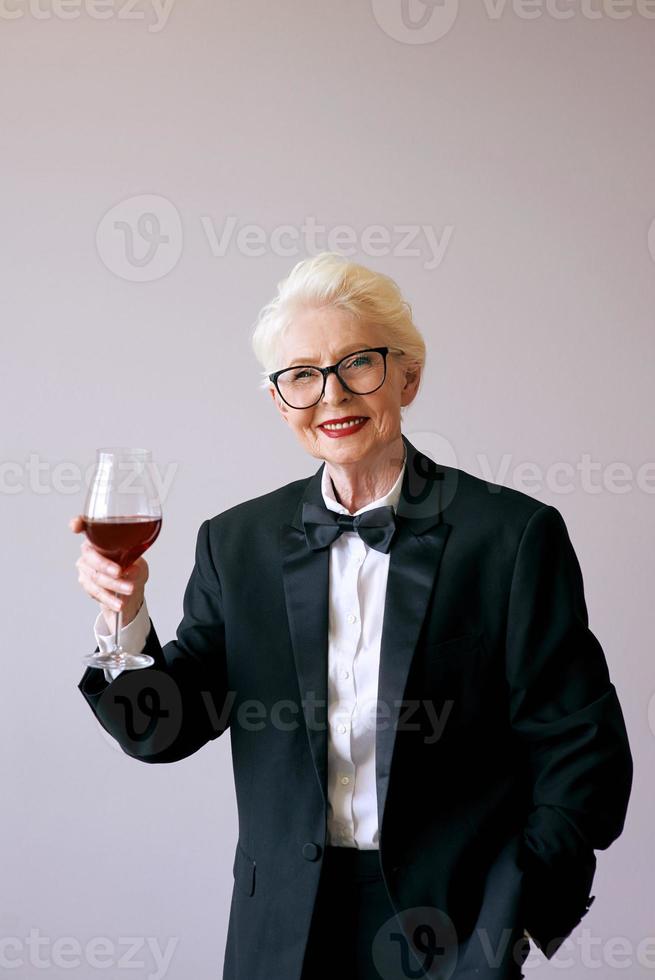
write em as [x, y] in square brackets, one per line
[358, 583]
[357, 586]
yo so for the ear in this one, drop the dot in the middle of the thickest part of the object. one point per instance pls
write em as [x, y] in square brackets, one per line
[410, 385]
[282, 408]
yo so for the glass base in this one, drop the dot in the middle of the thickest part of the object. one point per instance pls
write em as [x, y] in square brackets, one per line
[118, 661]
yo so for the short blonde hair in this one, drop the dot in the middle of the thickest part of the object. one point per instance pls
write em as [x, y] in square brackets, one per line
[330, 279]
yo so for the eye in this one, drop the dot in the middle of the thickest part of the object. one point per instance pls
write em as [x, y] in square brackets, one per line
[360, 360]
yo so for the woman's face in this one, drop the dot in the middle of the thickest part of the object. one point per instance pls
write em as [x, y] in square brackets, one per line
[321, 337]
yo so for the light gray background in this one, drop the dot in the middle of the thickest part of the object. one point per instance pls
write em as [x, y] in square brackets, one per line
[531, 139]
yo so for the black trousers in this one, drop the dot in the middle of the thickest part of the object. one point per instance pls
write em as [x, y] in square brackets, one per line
[355, 933]
[352, 919]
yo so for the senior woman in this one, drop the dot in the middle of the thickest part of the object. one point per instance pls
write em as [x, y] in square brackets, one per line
[427, 746]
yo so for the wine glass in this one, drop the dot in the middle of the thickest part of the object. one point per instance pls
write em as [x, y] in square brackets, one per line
[122, 518]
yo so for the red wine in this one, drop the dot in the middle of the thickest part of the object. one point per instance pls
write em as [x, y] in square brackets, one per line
[122, 539]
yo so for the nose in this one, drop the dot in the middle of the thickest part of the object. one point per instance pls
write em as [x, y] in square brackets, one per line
[334, 393]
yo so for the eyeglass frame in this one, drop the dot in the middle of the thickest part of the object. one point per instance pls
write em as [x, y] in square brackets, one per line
[333, 369]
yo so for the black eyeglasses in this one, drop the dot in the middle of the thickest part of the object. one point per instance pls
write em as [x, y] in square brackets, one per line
[362, 372]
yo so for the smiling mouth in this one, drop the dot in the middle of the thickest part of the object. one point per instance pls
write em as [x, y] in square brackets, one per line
[349, 424]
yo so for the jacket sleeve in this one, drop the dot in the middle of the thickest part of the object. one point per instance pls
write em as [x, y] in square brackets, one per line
[565, 711]
[169, 710]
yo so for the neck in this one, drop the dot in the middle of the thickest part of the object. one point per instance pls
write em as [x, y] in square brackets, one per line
[358, 484]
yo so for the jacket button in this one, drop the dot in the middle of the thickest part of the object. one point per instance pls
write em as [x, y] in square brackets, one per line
[311, 852]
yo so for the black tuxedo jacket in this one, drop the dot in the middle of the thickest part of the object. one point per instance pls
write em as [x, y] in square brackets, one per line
[493, 815]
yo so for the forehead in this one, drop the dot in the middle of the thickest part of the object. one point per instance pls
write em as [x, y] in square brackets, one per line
[322, 336]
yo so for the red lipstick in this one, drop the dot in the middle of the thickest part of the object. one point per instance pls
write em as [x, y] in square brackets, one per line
[348, 430]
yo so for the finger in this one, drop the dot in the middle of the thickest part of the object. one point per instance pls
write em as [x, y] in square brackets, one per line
[94, 559]
[76, 524]
[103, 596]
[108, 582]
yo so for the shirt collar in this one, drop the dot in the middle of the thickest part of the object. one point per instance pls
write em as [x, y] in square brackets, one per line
[389, 499]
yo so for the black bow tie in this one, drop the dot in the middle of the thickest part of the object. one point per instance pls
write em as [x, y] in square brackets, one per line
[322, 526]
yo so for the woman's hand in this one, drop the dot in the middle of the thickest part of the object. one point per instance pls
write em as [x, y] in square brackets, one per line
[101, 578]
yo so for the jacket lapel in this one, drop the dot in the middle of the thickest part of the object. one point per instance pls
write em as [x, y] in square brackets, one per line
[305, 575]
[415, 555]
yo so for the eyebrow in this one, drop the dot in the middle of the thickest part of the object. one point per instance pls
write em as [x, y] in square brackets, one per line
[308, 359]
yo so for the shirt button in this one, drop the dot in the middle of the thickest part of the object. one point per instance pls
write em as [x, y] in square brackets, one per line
[345, 780]
[341, 728]
[352, 618]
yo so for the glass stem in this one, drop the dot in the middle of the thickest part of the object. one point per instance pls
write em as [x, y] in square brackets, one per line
[117, 629]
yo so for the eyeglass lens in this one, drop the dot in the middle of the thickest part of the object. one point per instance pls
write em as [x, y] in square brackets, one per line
[301, 386]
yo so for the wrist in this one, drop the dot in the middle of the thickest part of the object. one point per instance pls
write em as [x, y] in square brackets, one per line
[130, 612]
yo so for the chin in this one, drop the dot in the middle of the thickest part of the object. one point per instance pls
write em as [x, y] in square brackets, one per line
[346, 454]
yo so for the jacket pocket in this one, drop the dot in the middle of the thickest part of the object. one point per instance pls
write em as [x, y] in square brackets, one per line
[244, 871]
